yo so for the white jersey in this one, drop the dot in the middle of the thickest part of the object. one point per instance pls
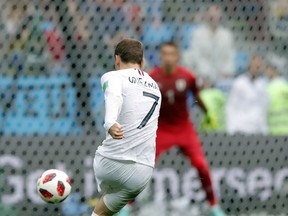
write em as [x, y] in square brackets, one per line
[247, 105]
[133, 99]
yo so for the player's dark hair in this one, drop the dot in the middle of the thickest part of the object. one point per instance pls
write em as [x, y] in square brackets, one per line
[169, 43]
[130, 51]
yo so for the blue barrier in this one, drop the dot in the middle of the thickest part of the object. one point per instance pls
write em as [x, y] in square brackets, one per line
[42, 105]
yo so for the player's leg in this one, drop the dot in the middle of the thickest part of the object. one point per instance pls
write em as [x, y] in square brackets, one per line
[135, 181]
[198, 161]
[120, 181]
[100, 168]
[165, 140]
[101, 209]
[193, 150]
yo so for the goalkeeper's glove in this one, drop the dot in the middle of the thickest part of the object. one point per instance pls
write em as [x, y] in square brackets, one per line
[209, 122]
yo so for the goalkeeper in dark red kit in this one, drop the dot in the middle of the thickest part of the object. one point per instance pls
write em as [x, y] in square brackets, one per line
[174, 127]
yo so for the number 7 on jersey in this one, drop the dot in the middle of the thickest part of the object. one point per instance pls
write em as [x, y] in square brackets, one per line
[151, 111]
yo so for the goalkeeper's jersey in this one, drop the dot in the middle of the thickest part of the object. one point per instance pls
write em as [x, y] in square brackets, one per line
[174, 88]
[132, 98]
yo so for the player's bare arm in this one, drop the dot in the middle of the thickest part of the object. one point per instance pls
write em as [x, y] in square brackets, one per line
[209, 118]
[200, 102]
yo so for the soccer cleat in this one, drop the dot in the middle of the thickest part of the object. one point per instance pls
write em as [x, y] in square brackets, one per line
[217, 211]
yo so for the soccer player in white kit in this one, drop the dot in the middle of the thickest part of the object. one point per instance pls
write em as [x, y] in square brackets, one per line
[124, 163]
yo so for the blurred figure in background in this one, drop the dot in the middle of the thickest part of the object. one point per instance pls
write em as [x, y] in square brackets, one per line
[175, 128]
[13, 36]
[108, 24]
[156, 30]
[28, 42]
[246, 109]
[211, 52]
[215, 101]
[52, 33]
[278, 95]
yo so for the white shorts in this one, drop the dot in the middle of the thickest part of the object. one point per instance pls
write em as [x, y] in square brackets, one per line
[120, 181]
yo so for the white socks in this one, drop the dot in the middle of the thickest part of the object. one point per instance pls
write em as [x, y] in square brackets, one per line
[94, 214]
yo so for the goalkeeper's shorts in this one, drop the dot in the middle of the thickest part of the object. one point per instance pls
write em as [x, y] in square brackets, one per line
[181, 135]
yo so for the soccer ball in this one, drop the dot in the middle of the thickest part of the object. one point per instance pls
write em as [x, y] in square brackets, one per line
[54, 186]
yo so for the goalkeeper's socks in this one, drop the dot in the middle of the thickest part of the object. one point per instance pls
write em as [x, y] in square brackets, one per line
[94, 214]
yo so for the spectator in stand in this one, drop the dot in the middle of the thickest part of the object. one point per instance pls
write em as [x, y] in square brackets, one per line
[246, 109]
[215, 101]
[13, 36]
[211, 52]
[135, 14]
[155, 30]
[24, 45]
[52, 33]
[278, 95]
[107, 24]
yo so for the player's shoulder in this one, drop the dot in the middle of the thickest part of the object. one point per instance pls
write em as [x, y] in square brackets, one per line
[155, 71]
[108, 74]
[115, 74]
[185, 71]
[225, 32]
[241, 81]
[242, 78]
[148, 75]
[201, 30]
